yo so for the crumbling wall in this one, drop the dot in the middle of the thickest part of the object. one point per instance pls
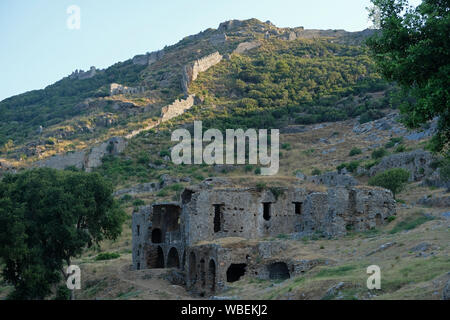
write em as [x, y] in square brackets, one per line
[158, 237]
[85, 159]
[339, 210]
[116, 89]
[246, 46]
[82, 75]
[177, 108]
[114, 146]
[61, 162]
[148, 58]
[192, 70]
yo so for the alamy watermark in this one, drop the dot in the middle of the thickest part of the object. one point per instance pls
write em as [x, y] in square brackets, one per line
[235, 140]
[74, 19]
[73, 281]
[374, 281]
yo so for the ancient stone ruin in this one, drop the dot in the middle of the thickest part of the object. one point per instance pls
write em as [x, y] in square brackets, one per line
[216, 233]
[83, 75]
[192, 70]
[116, 89]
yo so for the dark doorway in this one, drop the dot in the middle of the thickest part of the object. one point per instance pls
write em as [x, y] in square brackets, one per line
[156, 236]
[173, 259]
[186, 196]
[298, 207]
[212, 275]
[266, 213]
[278, 271]
[202, 273]
[217, 218]
[235, 272]
[192, 268]
[155, 258]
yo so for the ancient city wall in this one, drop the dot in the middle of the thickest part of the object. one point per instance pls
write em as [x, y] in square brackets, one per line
[192, 70]
[177, 108]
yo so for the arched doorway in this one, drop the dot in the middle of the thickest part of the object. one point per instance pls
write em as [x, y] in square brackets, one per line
[212, 275]
[202, 273]
[173, 259]
[235, 272]
[192, 268]
[278, 271]
[155, 258]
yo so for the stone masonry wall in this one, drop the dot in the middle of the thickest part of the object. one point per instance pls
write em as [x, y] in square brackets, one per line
[192, 70]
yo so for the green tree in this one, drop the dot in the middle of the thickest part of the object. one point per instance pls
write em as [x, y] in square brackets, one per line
[412, 48]
[393, 179]
[47, 217]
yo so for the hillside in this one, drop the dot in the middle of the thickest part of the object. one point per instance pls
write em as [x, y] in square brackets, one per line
[337, 117]
[283, 75]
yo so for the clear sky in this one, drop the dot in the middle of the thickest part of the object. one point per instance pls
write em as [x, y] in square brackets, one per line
[37, 48]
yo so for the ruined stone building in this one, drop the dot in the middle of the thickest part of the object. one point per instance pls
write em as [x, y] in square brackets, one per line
[202, 234]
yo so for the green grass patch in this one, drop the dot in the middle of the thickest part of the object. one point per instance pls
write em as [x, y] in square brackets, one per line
[411, 223]
[107, 256]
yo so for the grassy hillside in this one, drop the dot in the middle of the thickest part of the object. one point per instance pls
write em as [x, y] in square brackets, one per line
[320, 76]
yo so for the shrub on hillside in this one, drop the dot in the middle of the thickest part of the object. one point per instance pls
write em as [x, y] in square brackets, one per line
[379, 153]
[354, 152]
[393, 179]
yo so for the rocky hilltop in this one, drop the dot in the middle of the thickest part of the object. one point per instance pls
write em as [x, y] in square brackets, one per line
[69, 116]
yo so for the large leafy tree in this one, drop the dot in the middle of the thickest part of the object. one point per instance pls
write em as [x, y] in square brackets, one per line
[47, 217]
[412, 48]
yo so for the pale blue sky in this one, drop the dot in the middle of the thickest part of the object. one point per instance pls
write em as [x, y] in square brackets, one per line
[37, 48]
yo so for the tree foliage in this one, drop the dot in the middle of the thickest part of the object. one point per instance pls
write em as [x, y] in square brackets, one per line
[413, 49]
[48, 217]
[393, 179]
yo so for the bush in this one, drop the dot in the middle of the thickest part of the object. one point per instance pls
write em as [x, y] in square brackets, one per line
[400, 149]
[370, 115]
[394, 180]
[138, 203]
[354, 152]
[107, 256]
[62, 293]
[351, 167]
[393, 142]
[379, 153]
[258, 171]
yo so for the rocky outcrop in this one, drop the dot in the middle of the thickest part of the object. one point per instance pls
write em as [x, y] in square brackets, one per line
[333, 179]
[116, 89]
[192, 70]
[416, 162]
[149, 58]
[435, 201]
[177, 108]
[246, 46]
[446, 291]
[82, 75]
